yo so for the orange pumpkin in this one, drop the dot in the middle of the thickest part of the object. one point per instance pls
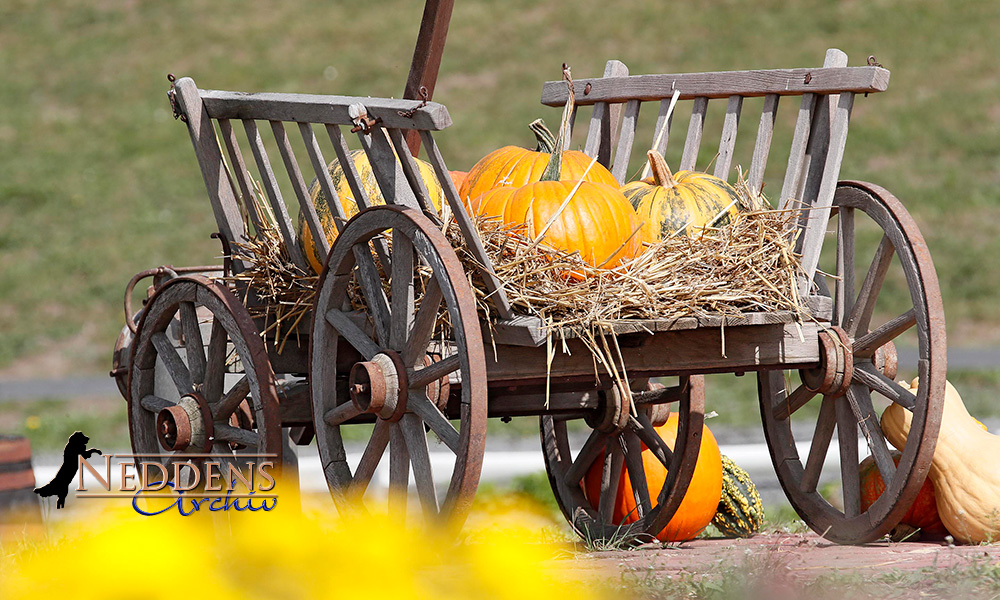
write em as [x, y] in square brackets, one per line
[492, 203]
[458, 178]
[700, 501]
[923, 514]
[512, 166]
[597, 221]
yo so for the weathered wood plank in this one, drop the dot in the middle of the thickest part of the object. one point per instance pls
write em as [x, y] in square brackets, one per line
[730, 128]
[603, 120]
[625, 139]
[388, 172]
[722, 84]
[306, 207]
[241, 173]
[329, 110]
[270, 184]
[412, 173]
[762, 147]
[321, 168]
[689, 159]
[789, 197]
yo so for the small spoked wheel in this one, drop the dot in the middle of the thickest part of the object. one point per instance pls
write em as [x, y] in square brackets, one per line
[896, 302]
[380, 365]
[200, 380]
[619, 435]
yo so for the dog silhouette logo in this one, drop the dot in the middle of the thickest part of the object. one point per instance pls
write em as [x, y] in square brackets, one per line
[59, 486]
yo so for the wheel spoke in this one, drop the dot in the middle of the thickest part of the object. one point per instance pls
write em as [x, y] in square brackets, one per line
[371, 288]
[402, 290]
[399, 472]
[194, 348]
[232, 399]
[236, 435]
[416, 445]
[341, 414]
[822, 436]
[370, 459]
[423, 324]
[866, 345]
[785, 407]
[864, 306]
[845, 264]
[155, 404]
[636, 473]
[172, 361]
[860, 400]
[439, 424]
[215, 369]
[610, 477]
[591, 449]
[850, 478]
[643, 428]
[421, 378]
[867, 374]
[352, 333]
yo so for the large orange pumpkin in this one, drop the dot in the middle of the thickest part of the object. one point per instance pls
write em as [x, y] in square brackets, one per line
[513, 166]
[700, 501]
[923, 514]
[492, 203]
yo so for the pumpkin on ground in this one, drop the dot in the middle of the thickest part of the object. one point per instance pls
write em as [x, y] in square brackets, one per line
[687, 201]
[740, 512]
[367, 178]
[701, 500]
[512, 166]
[922, 515]
[965, 468]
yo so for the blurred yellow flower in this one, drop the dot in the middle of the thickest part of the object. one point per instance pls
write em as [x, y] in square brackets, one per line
[33, 422]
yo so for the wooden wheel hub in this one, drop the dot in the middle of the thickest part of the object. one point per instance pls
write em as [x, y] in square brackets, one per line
[833, 375]
[612, 412]
[185, 424]
[379, 386]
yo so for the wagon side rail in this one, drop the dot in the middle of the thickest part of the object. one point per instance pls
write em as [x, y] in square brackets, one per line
[818, 141]
[381, 126]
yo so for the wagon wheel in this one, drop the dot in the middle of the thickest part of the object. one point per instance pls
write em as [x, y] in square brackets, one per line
[375, 353]
[858, 358]
[616, 442]
[200, 379]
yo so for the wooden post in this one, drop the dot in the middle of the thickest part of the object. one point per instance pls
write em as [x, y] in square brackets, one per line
[427, 57]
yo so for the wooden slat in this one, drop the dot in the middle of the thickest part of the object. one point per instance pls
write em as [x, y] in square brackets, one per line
[847, 435]
[730, 128]
[722, 84]
[399, 472]
[350, 169]
[322, 171]
[796, 154]
[819, 214]
[762, 147]
[416, 444]
[822, 436]
[329, 110]
[270, 184]
[427, 56]
[625, 139]
[695, 128]
[412, 173]
[241, 174]
[388, 172]
[206, 147]
[307, 209]
[469, 231]
[602, 120]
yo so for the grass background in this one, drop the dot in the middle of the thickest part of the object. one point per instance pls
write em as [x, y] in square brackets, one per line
[97, 181]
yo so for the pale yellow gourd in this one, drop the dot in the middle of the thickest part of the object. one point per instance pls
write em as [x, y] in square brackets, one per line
[965, 469]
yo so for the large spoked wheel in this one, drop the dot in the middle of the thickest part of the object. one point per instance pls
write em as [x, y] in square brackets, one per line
[200, 380]
[616, 443]
[896, 302]
[370, 366]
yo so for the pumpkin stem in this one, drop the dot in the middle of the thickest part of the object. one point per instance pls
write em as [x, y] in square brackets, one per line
[661, 172]
[552, 170]
[546, 142]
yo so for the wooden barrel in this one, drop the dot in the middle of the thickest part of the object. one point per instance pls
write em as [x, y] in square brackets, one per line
[18, 502]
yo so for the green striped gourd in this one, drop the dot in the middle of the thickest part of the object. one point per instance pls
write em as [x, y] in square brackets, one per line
[741, 512]
[685, 202]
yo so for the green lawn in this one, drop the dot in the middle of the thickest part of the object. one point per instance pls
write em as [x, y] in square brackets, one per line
[97, 181]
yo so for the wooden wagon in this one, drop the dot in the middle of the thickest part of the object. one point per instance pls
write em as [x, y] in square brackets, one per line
[200, 377]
